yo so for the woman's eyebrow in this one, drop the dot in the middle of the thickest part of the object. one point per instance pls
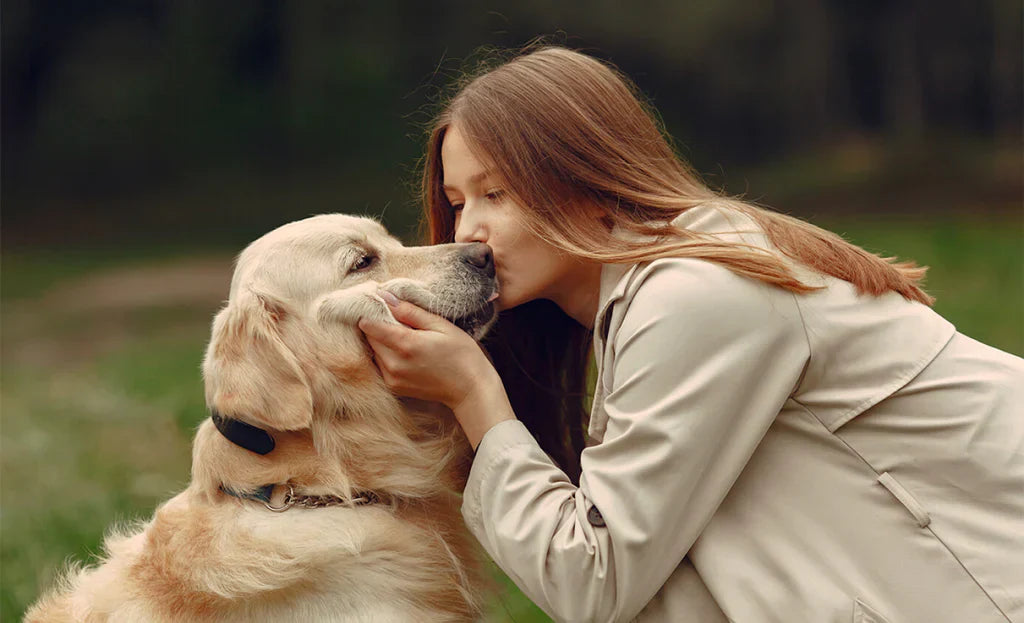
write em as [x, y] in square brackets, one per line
[473, 179]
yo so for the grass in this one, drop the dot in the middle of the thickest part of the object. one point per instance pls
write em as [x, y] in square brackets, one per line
[976, 268]
[99, 402]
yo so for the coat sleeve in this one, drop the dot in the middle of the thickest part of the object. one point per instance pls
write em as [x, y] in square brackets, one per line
[703, 362]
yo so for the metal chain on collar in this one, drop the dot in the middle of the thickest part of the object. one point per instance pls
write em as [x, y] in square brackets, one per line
[318, 501]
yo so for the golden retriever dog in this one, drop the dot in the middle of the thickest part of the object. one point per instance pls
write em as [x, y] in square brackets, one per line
[316, 494]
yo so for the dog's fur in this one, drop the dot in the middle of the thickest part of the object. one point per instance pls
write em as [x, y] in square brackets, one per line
[285, 355]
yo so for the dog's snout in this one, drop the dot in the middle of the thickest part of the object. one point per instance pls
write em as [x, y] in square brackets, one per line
[479, 255]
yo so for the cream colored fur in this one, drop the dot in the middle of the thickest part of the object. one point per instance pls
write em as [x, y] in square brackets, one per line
[285, 355]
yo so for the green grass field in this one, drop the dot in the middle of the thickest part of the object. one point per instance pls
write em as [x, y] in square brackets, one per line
[101, 387]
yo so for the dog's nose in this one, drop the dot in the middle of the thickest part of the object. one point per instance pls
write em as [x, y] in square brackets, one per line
[479, 255]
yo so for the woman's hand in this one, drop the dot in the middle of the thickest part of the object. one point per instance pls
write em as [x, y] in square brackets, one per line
[429, 358]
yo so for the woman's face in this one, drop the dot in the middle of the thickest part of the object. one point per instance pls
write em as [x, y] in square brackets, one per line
[527, 267]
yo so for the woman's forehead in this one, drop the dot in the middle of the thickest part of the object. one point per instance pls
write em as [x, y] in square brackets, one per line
[462, 165]
[480, 177]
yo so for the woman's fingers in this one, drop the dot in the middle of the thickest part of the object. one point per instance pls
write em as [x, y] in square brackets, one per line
[387, 360]
[383, 333]
[413, 315]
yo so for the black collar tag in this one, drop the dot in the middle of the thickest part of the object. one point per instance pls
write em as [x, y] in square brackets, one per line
[245, 435]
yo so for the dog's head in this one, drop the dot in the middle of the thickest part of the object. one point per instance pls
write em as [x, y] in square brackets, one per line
[287, 338]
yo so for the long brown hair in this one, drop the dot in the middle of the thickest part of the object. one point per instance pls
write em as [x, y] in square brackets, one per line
[586, 159]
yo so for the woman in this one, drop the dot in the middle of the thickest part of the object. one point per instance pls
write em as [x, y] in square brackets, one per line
[782, 429]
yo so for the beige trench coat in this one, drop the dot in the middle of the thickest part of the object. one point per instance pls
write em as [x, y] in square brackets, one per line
[824, 457]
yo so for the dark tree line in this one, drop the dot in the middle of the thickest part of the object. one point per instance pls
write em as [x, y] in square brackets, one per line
[106, 98]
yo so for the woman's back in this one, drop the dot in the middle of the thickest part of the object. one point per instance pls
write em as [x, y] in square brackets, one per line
[889, 482]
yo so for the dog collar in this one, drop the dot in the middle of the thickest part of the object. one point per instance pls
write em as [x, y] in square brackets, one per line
[244, 435]
[263, 494]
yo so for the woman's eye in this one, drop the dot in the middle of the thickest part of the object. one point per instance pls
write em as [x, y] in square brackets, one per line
[495, 195]
[364, 262]
[457, 207]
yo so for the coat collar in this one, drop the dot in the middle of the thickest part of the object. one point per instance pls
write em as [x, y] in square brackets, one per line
[616, 277]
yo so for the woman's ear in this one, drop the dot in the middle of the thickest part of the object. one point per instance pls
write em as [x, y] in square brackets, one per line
[250, 373]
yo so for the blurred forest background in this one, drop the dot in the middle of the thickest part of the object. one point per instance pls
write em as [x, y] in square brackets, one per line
[145, 142]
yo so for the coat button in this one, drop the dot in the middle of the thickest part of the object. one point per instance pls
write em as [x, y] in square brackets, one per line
[594, 517]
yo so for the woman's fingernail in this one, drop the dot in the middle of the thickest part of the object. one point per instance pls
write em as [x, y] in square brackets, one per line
[389, 298]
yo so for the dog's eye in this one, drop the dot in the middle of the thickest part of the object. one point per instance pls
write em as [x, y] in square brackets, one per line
[364, 262]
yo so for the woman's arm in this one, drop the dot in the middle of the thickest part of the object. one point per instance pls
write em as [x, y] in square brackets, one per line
[703, 362]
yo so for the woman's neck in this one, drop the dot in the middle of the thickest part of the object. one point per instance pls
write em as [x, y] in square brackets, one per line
[578, 291]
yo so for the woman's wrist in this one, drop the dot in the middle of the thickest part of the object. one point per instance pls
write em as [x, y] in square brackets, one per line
[483, 407]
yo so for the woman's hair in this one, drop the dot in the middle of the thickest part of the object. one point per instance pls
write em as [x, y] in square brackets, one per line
[585, 158]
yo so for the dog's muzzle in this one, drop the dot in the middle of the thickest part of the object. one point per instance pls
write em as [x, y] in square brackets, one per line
[476, 263]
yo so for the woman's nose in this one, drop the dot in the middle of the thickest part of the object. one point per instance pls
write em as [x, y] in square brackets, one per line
[468, 229]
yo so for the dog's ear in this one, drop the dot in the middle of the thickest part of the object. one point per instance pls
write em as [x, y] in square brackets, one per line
[348, 306]
[250, 373]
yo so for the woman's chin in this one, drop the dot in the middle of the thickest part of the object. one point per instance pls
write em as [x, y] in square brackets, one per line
[507, 301]
[504, 302]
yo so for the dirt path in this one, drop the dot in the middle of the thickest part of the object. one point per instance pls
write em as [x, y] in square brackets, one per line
[192, 280]
[79, 318]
